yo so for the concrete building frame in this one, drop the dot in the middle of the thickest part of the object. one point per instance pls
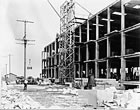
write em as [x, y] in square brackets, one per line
[106, 44]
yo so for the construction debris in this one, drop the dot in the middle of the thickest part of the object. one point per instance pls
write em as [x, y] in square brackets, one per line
[61, 89]
[127, 99]
[124, 99]
[13, 99]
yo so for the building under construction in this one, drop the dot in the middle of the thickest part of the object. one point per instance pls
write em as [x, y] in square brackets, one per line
[106, 44]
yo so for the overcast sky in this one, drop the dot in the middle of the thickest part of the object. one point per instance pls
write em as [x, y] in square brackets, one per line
[43, 30]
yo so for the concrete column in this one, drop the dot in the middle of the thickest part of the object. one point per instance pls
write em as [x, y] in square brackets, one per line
[51, 58]
[80, 40]
[80, 33]
[123, 48]
[79, 60]
[74, 74]
[55, 64]
[54, 71]
[79, 67]
[87, 52]
[74, 71]
[87, 71]
[87, 58]
[81, 71]
[97, 48]
[108, 43]
[139, 66]
[55, 57]
[87, 30]
[47, 73]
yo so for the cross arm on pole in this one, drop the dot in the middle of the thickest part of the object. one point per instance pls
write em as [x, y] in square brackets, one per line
[25, 21]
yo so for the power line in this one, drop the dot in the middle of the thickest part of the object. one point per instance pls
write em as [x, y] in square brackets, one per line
[25, 42]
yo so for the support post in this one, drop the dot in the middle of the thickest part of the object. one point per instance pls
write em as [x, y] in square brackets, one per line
[97, 48]
[79, 61]
[123, 48]
[87, 58]
[74, 71]
[80, 40]
[87, 50]
[25, 43]
[80, 33]
[87, 30]
[108, 43]
[139, 67]
[55, 58]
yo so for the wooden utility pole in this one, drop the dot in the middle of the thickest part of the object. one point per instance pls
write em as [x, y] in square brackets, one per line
[6, 69]
[9, 58]
[0, 89]
[25, 41]
[9, 62]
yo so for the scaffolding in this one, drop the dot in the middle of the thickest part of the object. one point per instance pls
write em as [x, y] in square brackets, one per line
[66, 41]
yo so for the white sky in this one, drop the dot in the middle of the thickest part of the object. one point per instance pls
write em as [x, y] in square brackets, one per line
[43, 30]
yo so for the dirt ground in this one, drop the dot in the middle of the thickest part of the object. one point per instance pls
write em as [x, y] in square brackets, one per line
[52, 100]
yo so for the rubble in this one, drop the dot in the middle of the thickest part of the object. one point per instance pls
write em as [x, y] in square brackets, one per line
[62, 89]
[60, 96]
[105, 95]
[70, 91]
[128, 99]
[13, 99]
[124, 99]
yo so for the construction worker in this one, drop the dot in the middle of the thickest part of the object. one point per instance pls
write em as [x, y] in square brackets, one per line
[91, 81]
[25, 84]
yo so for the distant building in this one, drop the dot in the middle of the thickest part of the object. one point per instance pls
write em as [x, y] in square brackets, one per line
[10, 78]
